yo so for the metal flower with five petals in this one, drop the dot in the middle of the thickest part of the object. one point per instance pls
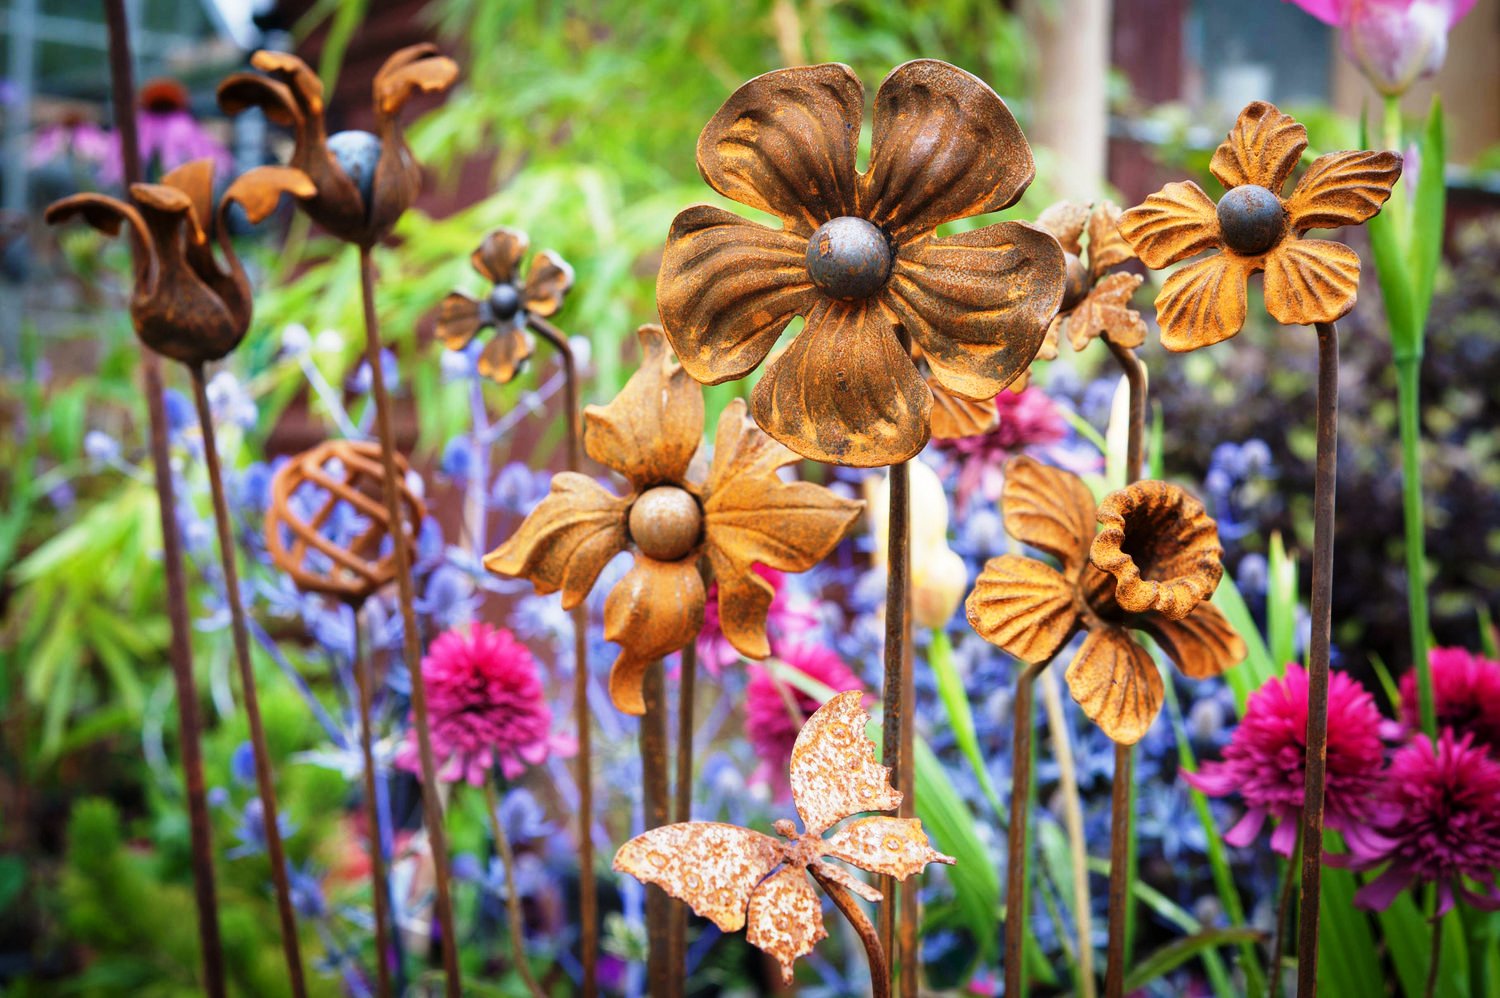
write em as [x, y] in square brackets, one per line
[857, 256]
[741, 515]
[1096, 301]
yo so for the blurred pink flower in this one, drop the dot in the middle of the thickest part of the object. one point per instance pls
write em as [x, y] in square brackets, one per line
[1465, 693]
[1393, 42]
[486, 707]
[775, 710]
[1444, 826]
[1028, 419]
[1266, 761]
[75, 139]
[784, 621]
[168, 134]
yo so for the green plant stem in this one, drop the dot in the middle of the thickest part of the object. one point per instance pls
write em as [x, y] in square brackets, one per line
[1435, 961]
[1408, 398]
[512, 898]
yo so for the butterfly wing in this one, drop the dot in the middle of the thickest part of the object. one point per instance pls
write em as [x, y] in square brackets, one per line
[895, 847]
[834, 772]
[712, 866]
[785, 917]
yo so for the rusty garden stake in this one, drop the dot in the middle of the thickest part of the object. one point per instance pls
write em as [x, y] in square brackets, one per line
[380, 885]
[512, 895]
[683, 804]
[657, 813]
[893, 724]
[1016, 869]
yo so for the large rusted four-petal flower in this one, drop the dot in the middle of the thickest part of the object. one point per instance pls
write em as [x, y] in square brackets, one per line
[510, 301]
[364, 182]
[741, 516]
[857, 256]
[1096, 302]
[184, 304]
[1253, 228]
[1151, 568]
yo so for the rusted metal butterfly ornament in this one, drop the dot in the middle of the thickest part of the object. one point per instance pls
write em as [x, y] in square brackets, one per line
[743, 879]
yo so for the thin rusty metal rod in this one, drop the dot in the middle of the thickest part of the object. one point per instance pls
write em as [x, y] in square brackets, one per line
[180, 650]
[894, 683]
[512, 896]
[264, 778]
[880, 972]
[1435, 959]
[1016, 834]
[1324, 487]
[588, 889]
[432, 804]
[1283, 913]
[364, 678]
[911, 915]
[1120, 817]
[653, 739]
[684, 802]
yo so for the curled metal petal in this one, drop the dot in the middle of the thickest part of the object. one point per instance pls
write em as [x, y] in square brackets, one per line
[1262, 148]
[1173, 224]
[1161, 546]
[1116, 683]
[650, 431]
[656, 609]
[833, 772]
[1203, 644]
[1311, 280]
[1204, 302]
[498, 256]
[1050, 509]
[1342, 188]
[1023, 606]
[567, 540]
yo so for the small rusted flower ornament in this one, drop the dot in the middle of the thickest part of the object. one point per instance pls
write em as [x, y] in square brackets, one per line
[742, 879]
[510, 301]
[364, 181]
[742, 515]
[1253, 228]
[858, 258]
[1095, 301]
[186, 304]
[1152, 568]
[326, 526]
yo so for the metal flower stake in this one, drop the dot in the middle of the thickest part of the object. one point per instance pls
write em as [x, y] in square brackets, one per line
[362, 183]
[1308, 282]
[742, 879]
[858, 258]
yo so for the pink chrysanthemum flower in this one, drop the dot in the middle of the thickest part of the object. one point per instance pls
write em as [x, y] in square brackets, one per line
[1027, 419]
[1266, 761]
[775, 710]
[168, 134]
[1443, 827]
[485, 705]
[784, 621]
[1465, 693]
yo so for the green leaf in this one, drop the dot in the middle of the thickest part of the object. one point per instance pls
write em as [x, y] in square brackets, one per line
[1348, 963]
[1174, 954]
[955, 698]
[1251, 674]
[951, 826]
[1425, 251]
[1281, 602]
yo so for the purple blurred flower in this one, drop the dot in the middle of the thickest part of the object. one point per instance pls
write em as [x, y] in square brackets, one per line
[74, 139]
[168, 133]
[1393, 42]
[1027, 419]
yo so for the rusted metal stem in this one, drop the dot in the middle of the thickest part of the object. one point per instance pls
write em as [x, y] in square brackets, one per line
[180, 650]
[1324, 486]
[895, 683]
[1020, 820]
[653, 738]
[588, 890]
[1283, 912]
[264, 778]
[512, 896]
[684, 801]
[432, 805]
[880, 973]
[364, 678]
[1436, 957]
[906, 928]
[1124, 775]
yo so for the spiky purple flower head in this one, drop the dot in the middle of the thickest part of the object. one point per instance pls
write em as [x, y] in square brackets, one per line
[1465, 693]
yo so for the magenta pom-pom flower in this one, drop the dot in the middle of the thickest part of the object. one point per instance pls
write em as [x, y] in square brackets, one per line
[775, 710]
[1026, 419]
[1265, 763]
[1465, 695]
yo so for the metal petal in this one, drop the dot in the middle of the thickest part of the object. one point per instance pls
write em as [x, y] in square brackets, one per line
[656, 609]
[1311, 280]
[785, 918]
[894, 847]
[567, 540]
[105, 214]
[1066, 221]
[713, 867]
[1173, 224]
[785, 143]
[845, 392]
[259, 191]
[955, 417]
[1203, 644]
[1022, 606]
[408, 71]
[499, 254]
[1106, 311]
[1204, 302]
[944, 147]
[398, 176]
[504, 354]
[196, 180]
[833, 772]
[1342, 188]
[458, 320]
[1262, 148]
[1107, 247]
[848, 881]
[726, 290]
[1050, 509]
[1117, 684]
[547, 283]
[650, 431]
[1161, 546]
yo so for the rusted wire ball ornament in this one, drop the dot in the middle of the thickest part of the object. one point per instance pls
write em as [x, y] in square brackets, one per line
[743, 514]
[185, 304]
[858, 258]
[1096, 302]
[743, 879]
[1253, 228]
[363, 181]
[512, 298]
[327, 527]
[1151, 568]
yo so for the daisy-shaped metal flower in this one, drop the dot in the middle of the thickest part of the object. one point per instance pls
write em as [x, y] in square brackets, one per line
[1151, 568]
[364, 181]
[511, 300]
[1253, 228]
[742, 515]
[185, 304]
[1095, 302]
[857, 256]
[742, 879]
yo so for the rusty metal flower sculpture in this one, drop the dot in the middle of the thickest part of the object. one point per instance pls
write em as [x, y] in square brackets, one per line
[857, 256]
[509, 303]
[1095, 301]
[1253, 228]
[1151, 568]
[743, 514]
[738, 878]
[185, 304]
[364, 181]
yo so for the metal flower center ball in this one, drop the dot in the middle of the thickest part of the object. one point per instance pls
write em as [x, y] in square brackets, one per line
[357, 154]
[666, 522]
[505, 302]
[849, 258]
[1076, 286]
[1251, 219]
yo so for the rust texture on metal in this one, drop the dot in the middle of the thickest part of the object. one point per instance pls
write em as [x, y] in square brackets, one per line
[186, 304]
[1253, 228]
[1030, 608]
[742, 514]
[739, 878]
[858, 258]
[362, 182]
[1161, 546]
[1097, 300]
[306, 492]
[508, 308]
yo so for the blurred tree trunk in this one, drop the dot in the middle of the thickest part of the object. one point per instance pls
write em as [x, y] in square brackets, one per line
[1069, 89]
